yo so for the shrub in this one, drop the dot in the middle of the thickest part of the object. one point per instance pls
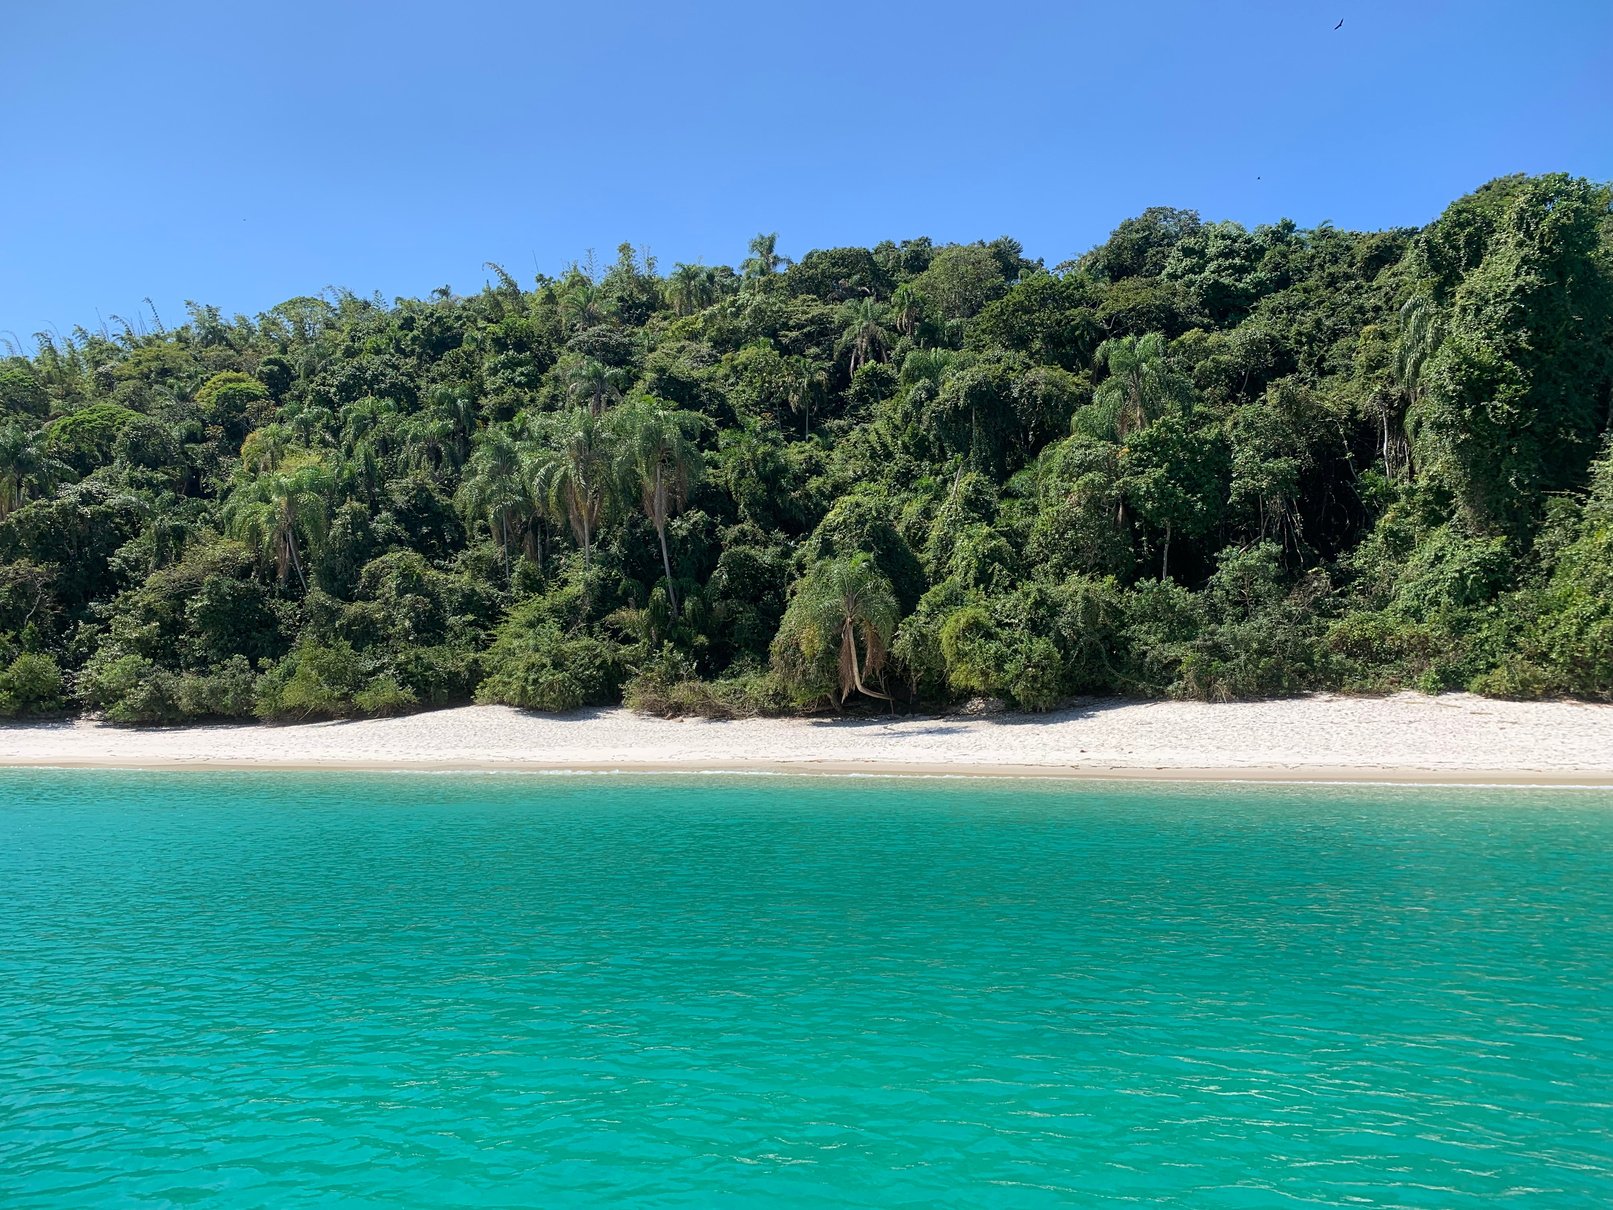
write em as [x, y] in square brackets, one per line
[1034, 679]
[129, 689]
[30, 684]
[228, 691]
[667, 686]
[974, 654]
[384, 696]
[1517, 678]
[316, 680]
[537, 667]
[438, 676]
[1379, 651]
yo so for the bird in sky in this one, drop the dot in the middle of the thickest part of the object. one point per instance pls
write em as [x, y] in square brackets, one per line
[1340, 25]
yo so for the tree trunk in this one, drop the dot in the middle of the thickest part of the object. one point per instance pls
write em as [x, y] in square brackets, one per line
[848, 634]
[658, 519]
[666, 565]
[296, 563]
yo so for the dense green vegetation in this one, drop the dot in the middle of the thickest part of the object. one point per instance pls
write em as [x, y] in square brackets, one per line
[1199, 460]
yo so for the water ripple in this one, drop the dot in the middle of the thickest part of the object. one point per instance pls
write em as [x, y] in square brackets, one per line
[240, 989]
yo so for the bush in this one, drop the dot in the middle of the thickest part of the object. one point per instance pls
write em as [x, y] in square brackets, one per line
[129, 689]
[438, 676]
[917, 647]
[1034, 680]
[1374, 652]
[228, 691]
[668, 687]
[30, 684]
[316, 680]
[1516, 678]
[537, 667]
[384, 696]
[975, 656]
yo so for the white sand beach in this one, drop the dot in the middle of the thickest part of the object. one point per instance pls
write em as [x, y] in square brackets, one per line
[1407, 737]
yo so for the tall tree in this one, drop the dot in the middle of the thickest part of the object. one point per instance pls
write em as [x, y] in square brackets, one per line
[495, 488]
[26, 467]
[690, 288]
[455, 407]
[1142, 384]
[764, 260]
[865, 337]
[571, 473]
[581, 303]
[595, 383]
[271, 510]
[806, 382]
[843, 610]
[656, 443]
[907, 309]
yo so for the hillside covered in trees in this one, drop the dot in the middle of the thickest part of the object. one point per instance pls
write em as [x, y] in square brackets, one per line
[1198, 461]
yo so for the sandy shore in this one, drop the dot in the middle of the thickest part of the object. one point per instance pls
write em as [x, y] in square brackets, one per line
[1454, 738]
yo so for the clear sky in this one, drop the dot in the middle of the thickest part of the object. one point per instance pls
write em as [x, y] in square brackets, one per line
[242, 154]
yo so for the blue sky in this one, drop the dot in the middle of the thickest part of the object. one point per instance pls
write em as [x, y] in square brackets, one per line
[243, 154]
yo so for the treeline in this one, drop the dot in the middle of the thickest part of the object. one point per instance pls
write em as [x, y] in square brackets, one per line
[1199, 461]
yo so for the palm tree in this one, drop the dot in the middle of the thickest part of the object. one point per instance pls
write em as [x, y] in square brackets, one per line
[594, 381]
[582, 305]
[310, 423]
[805, 381]
[428, 441]
[1422, 329]
[25, 466]
[269, 510]
[571, 474]
[658, 453]
[360, 469]
[838, 604]
[1142, 383]
[266, 448]
[925, 365]
[363, 418]
[495, 487]
[764, 260]
[750, 466]
[865, 335]
[907, 308]
[690, 288]
[455, 406]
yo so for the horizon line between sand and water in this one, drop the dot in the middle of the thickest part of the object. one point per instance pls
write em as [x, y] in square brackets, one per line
[874, 770]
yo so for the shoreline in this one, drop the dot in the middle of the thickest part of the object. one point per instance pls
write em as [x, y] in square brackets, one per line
[1297, 776]
[1407, 739]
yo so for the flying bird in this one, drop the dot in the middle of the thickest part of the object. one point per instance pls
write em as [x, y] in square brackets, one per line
[1340, 25]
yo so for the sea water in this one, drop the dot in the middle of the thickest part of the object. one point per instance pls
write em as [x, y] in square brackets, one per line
[229, 989]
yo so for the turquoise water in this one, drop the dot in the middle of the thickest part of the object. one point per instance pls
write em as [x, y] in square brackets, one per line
[286, 989]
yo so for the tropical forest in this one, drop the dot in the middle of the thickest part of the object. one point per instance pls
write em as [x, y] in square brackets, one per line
[1197, 460]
